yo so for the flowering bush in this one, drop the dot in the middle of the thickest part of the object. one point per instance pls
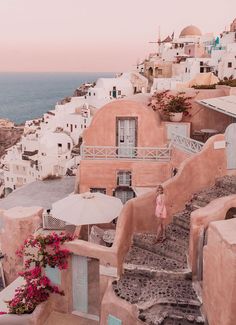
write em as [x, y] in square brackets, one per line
[169, 104]
[40, 251]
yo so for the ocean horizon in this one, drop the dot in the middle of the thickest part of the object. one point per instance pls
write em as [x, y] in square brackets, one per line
[28, 95]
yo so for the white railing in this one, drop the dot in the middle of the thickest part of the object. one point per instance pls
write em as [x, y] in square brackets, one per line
[187, 144]
[126, 153]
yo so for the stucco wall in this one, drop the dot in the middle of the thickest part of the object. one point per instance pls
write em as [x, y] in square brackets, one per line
[104, 173]
[206, 118]
[19, 224]
[102, 130]
[200, 220]
[219, 273]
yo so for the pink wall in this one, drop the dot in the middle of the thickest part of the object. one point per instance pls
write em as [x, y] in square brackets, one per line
[200, 220]
[150, 133]
[103, 173]
[219, 273]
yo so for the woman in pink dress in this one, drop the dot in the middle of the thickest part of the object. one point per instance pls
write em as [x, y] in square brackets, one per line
[160, 213]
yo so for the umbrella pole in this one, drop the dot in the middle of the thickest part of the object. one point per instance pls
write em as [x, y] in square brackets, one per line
[88, 232]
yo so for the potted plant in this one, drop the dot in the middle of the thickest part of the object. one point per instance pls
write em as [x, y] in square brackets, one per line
[171, 106]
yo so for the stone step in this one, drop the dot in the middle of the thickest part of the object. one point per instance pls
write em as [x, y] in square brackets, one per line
[228, 183]
[182, 221]
[169, 248]
[145, 260]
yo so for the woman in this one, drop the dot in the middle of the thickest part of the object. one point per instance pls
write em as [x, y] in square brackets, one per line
[160, 213]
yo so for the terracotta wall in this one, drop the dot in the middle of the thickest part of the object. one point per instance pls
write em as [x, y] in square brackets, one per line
[102, 173]
[102, 130]
[205, 118]
[219, 273]
[200, 220]
[19, 224]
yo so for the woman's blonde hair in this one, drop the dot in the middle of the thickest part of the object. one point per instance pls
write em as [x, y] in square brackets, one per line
[160, 187]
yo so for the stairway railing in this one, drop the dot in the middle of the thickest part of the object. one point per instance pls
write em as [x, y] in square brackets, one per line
[185, 143]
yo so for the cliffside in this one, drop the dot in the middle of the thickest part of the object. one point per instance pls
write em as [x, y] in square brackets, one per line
[9, 135]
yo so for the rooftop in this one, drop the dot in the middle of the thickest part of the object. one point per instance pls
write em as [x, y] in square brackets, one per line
[225, 104]
[39, 193]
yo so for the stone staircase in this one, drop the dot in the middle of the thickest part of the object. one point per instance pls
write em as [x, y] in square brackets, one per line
[157, 278]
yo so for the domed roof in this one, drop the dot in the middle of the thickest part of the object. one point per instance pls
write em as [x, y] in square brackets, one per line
[190, 31]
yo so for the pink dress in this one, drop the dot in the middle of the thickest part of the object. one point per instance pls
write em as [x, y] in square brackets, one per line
[160, 206]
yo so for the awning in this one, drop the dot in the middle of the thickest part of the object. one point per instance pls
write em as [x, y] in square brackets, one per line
[225, 105]
[138, 190]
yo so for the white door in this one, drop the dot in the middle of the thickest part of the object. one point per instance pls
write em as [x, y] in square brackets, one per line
[80, 283]
[179, 128]
[126, 137]
[230, 137]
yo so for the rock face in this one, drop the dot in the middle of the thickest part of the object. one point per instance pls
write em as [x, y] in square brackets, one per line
[9, 135]
[157, 278]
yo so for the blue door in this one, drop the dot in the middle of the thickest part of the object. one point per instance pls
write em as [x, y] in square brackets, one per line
[113, 320]
[80, 283]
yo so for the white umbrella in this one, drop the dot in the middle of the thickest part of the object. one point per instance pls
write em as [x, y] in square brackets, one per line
[87, 208]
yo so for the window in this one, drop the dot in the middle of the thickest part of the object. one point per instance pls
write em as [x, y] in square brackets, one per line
[59, 145]
[89, 94]
[201, 63]
[229, 64]
[75, 126]
[68, 146]
[94, 94]
[98, 189]
[124, 178]
[119, 92]
[186, 70]
[85, 121]
[201, 70]
[8, 179]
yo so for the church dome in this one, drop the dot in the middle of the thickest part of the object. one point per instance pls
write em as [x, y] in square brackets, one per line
[190, 31]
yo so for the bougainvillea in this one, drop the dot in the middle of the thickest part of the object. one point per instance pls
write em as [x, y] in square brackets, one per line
[169, 104]
[39, 251]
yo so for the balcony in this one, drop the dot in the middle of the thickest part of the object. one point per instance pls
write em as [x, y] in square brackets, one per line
[125, 153]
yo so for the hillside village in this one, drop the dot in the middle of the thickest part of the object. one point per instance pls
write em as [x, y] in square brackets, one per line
[118, 139]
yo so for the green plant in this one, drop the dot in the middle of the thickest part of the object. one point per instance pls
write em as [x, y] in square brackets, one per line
[169, 104]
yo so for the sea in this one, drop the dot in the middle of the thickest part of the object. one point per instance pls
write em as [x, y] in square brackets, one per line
[25, 96]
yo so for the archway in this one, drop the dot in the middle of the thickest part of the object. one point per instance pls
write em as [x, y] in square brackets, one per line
[150, 72]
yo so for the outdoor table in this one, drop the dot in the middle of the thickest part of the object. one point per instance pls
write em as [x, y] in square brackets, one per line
[109, 236]
[208, 132]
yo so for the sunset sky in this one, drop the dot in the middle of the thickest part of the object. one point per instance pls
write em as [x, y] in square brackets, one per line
[97, 35]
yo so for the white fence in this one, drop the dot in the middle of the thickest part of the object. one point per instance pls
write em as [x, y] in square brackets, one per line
[187, 144]
[125, 153]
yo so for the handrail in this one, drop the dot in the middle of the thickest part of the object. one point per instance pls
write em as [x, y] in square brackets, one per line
[126, 153]
[188, 144]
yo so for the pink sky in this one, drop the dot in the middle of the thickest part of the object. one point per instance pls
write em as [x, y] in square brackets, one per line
[96, 35]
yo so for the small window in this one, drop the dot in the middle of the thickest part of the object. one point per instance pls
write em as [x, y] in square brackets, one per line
[124, 178]
[89, 94]
[229, 64]
[67, 125]
[85, 121]
[94, 94]
[81, 126]
[59, 145]
[68, 146]
[75, 126]
[201, 70]
[8, 179]
[119, 92]
[186, 70]
[98, 189]
[201, 63]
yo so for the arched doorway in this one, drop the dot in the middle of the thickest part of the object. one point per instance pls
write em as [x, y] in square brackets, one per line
[150, 72]
[230, 138]
[202, 241]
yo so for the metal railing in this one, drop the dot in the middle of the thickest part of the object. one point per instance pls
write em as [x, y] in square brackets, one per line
[187, 144]
[125, 153]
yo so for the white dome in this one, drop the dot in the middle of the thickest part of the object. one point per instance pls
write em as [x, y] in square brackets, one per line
[190, 31]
